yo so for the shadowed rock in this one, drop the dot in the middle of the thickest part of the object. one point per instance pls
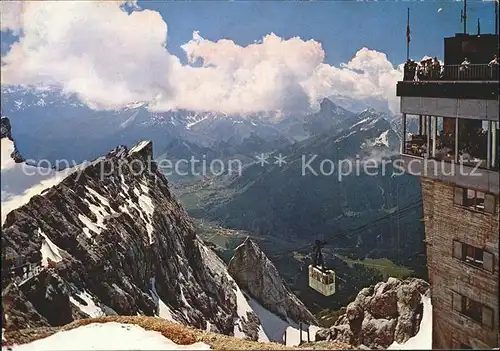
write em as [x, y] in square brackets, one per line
[6, 132]
[255, 273]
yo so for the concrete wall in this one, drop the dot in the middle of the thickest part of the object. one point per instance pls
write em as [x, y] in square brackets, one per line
[443, 107]
[465, 176]
[444, 222]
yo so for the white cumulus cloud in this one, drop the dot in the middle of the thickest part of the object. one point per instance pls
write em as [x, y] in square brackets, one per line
[10, 16]
[109, 57]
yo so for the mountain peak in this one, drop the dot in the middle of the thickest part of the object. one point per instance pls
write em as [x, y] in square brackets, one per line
[327, 105]
[256, 274]
[144, 147]
[111, 238]
[371, 112]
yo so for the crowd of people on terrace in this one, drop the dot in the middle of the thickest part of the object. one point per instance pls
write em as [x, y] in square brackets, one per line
[427, 69]
[431, 69]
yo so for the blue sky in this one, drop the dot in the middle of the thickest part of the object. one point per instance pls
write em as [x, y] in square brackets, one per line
[341, 26]
[79, 46]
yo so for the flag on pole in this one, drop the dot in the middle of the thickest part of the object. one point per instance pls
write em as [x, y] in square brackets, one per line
[408, 27]
[408, 36]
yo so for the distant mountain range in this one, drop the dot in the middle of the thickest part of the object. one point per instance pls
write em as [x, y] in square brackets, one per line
[50, 125]
[361, 216]
[295, 200]
[302, 203]
[271, 199]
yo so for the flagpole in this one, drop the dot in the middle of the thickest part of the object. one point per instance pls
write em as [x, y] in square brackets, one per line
[465, 16]
[496, 16]
[408, 36]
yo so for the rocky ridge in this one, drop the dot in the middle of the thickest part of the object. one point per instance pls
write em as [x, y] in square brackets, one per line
[381, 314]
[111, 239]
[257, 275]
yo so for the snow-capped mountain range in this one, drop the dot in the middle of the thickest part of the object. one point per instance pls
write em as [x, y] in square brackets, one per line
[50, 125]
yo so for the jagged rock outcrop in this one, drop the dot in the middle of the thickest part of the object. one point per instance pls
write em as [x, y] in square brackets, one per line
[17, 311]
[110, 238]
[257, 275]
[5, 128]
[6, 132]
[381, 314]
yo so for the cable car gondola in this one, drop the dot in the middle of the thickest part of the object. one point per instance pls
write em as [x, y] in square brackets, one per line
[321, 279]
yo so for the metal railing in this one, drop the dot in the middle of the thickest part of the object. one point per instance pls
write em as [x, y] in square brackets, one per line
[22, 273]
[470, 72]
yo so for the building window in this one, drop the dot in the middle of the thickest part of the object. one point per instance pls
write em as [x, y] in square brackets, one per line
[475, 200]
[473, 309]
[473, 255]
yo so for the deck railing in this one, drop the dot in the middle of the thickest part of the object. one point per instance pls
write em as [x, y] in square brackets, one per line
[470, 72]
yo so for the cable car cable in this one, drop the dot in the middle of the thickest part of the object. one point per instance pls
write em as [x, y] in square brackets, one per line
[403, 211]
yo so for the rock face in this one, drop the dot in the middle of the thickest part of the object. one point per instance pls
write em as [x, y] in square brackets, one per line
[6, 132]
[5, 129]
[381, 314]
[110, 238]
[257, 275]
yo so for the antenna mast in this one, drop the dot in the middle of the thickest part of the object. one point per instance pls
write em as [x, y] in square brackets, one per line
[463, 16]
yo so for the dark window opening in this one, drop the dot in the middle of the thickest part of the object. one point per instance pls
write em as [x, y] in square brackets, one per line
[473, 255]
[475, 200]
[472, 309]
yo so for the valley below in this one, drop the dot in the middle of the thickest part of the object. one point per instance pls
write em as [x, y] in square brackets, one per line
[355, 267]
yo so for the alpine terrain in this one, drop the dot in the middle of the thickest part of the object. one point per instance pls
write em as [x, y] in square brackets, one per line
[111, 239]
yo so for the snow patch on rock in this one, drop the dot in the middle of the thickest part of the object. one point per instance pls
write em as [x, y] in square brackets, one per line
[163, 310]
[49, 250]
[139, 146]
[423, 339]
[89, 306]
[382, 139]
[7, 148]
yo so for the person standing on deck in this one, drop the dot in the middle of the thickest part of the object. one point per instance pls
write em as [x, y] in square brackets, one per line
[317, 255]
[494, 67]
[464, 68]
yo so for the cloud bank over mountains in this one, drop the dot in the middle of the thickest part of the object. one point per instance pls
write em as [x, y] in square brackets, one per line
[109, 57]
